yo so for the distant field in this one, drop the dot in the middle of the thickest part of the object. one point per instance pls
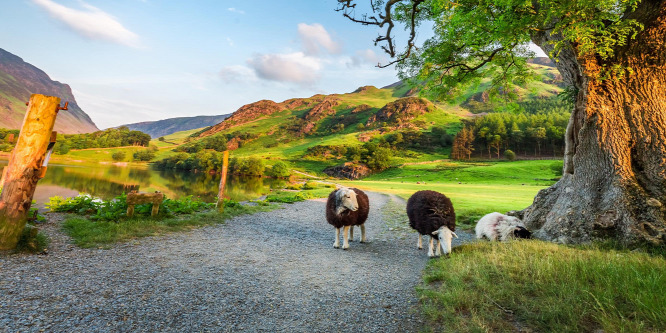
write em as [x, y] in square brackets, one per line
[474, 188]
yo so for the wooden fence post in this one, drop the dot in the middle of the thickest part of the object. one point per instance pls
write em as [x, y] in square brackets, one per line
[223, 181]
[24, 168]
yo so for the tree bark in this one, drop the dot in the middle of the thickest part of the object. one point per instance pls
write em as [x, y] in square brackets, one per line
[614, 179]
[23, 170]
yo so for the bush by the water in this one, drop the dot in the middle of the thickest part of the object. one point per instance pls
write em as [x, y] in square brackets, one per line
[92, 233]
[205, 160]
[144, 155]
[115, 209]
[250, 166]
[118, 156]
[280, 170]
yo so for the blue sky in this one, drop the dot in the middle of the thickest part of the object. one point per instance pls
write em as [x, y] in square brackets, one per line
[140, 60]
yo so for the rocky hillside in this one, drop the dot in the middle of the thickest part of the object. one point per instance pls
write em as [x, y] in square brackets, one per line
[19, 79]
[164, 127]
[323, 125]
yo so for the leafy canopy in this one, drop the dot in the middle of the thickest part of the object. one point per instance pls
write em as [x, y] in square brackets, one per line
[476, 39]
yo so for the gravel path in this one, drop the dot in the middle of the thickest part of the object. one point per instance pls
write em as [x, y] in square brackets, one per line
[268, 272]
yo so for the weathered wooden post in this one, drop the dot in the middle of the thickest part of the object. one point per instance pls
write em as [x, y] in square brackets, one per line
[223, 181]
[141, 198]
[24, 168]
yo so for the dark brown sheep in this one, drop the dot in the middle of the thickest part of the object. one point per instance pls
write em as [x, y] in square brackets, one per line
[345, 208]
[431, 213]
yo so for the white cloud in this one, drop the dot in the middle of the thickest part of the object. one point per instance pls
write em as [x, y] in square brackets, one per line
[237, 73]
[234, 10]
[91, 22]
[366, 56]
[292, 67]
[315, 36]
[230, 41]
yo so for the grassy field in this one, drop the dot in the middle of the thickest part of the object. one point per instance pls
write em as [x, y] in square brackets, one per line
[475, 189]
[534, 286]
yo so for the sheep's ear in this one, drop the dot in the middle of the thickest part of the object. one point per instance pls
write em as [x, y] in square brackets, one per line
[454, 234]
[435, 232]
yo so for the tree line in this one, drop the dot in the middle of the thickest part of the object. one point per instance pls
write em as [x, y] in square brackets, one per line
[535, 134]
[109, 138]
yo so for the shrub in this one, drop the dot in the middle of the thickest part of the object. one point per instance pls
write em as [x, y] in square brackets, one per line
[280, 170]
[118, 156]
[509, 155]
[310, 185]
[144, 155]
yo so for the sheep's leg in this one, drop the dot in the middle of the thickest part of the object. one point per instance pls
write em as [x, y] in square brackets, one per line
[345, 238]
[351, 233]
[420, 244]
[430, 253]
[336, 244]
[438, 248]
[363, 239]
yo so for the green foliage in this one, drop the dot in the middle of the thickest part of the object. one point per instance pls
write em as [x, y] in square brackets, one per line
[112, 137]
[119, 156]
[217, 142]
[544, 287]
[87, 232]
[116, 209]
[310, 185]
[477, 40]
[203, 160]
[280, 170]
[509, 155]
[288, 198]
[144, 155]
[526, 133]
[251, 166]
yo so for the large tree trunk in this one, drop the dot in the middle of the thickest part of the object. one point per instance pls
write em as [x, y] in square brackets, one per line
[614, 180]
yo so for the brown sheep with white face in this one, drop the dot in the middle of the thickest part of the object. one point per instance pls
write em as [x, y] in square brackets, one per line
[345, 208]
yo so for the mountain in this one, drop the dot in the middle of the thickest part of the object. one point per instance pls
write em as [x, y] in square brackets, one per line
[368, 125]
[164, 127]
[19, 79]
[393, 107]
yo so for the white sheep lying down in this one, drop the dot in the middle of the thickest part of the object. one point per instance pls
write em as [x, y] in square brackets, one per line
[497, 226]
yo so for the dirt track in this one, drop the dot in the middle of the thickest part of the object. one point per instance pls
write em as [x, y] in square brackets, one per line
[268, 272]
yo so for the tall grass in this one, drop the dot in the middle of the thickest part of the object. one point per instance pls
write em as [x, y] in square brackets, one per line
[87, 233]
[544, 287]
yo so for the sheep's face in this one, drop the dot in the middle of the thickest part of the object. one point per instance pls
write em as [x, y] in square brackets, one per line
[346, 199]
[521, 232]
[445, 236]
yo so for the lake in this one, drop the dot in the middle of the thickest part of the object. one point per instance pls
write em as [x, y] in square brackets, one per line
[107, 181]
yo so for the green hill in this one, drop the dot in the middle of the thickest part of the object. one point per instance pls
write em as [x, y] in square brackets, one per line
[325, 130]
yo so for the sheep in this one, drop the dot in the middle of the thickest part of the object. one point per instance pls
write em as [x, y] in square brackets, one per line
[496, 226]
[431, 213]
[345, 208]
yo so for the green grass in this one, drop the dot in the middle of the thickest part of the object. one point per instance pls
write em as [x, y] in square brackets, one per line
[475, 189]
[87, 233]
[535, 286]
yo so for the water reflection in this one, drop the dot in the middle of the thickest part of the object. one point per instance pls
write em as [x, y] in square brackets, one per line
[108, 181]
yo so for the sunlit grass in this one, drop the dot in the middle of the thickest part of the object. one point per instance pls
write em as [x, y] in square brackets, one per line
[87, 233]
[543, 287]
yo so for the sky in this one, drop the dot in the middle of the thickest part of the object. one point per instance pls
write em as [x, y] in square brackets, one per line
[129, 61]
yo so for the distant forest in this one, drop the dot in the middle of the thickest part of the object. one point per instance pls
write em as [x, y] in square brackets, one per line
[536, 129]
[112, 137]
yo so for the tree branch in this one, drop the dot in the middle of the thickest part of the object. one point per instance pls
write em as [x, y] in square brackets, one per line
[385, 19]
